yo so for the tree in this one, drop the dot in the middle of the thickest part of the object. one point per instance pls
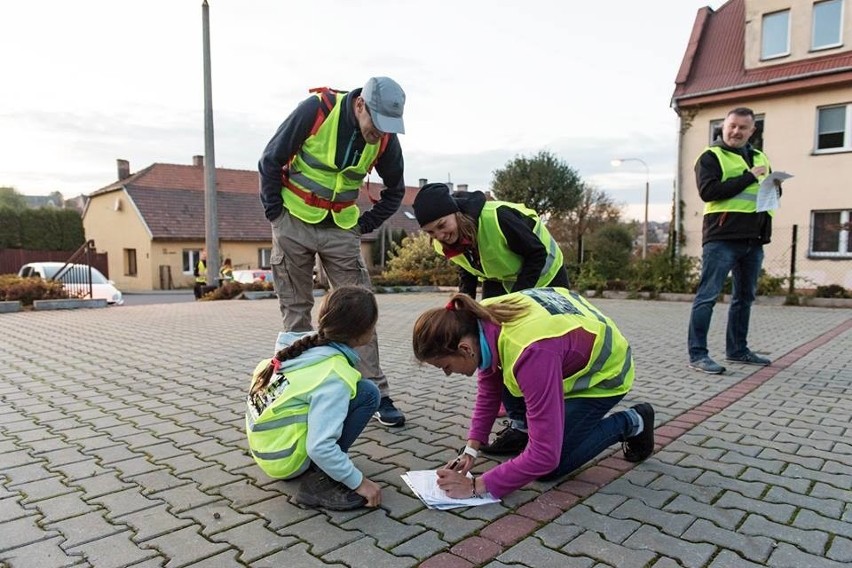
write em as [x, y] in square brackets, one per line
[543, 182]
[10, 198]
[595, 209]
[610, 248]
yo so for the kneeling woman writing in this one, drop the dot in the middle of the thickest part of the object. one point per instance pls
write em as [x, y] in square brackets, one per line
[563, 356]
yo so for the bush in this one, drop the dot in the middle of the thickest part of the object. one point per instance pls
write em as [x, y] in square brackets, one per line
[415, 263]
[659, 273]
[831, 291]
[26, 290]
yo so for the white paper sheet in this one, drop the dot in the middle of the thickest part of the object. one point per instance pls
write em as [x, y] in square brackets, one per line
[767, 194]
[424, 484]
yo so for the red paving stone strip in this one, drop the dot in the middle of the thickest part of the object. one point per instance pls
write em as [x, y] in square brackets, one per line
[552, 503]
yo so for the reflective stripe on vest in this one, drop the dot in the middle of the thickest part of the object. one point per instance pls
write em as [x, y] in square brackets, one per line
[498, 261]
[312, 169]
[553, 312]
[733, 165]
[278, 436]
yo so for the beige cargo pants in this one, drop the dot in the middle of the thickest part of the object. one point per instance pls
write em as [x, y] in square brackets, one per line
[295, 245]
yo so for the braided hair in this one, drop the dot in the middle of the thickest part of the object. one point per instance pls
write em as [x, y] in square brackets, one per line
[346, 314]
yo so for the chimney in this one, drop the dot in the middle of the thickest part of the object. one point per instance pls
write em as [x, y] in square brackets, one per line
[423, 181]
[450, 185]
[198, 161]
[123, 169]
[462, 187]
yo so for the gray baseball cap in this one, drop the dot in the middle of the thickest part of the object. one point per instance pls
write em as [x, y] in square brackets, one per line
[385, 99]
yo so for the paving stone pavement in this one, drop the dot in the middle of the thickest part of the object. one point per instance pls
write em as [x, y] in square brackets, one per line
[122, 444]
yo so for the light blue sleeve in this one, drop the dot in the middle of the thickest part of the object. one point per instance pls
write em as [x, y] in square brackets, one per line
[328, 407]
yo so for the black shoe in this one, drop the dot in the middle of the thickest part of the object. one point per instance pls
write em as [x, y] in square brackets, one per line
[388, 414]
[640, 447]
[319, 490]
[508, 442]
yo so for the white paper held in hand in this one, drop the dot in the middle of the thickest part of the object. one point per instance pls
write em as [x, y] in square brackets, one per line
[767, 193]
[424, 484]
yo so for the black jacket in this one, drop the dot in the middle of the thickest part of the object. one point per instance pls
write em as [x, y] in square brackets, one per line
[520, 239]
[292, 134]
[729, 225]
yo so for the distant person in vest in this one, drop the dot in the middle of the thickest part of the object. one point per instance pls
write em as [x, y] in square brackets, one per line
[308, 404]
[508, 248]
[200, 273]
[563, 356]
[310, 176]
[728, 175]
[226, 272]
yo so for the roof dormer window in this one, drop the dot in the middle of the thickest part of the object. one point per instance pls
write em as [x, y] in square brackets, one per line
[775, 35]
[827, 25]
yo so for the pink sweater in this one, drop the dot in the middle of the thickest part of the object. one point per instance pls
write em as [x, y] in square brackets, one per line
[539, 371]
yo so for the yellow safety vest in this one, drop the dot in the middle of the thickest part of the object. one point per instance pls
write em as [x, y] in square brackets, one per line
[733, 164]
[497, 260]
[553, 312]
[202, 272]
[312, 171]
[277, 432]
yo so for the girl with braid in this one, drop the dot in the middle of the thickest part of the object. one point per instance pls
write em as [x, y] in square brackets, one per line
[307, 405]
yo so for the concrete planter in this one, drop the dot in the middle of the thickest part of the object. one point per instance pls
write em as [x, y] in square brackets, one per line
[10, 307]
[69, 304]
[258, 294]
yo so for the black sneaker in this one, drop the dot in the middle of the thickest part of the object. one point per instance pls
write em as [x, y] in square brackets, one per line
[319, 490]
[509, 441]
[640, 447]
[388, 414]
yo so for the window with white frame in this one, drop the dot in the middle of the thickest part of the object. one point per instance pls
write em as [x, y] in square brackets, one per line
[190, 259]
[263, 257]
[756, 139]
[830, 233]
[827, 24]
[833, 126]
[775, 35]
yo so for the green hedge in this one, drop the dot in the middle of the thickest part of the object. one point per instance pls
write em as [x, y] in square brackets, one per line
[41, 229]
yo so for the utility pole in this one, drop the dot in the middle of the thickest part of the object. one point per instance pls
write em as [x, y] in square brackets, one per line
[211, 216]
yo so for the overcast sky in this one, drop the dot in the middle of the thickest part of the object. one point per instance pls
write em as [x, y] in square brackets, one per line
[85, 83]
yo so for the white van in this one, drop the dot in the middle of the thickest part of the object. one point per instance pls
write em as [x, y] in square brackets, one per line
[75, 280]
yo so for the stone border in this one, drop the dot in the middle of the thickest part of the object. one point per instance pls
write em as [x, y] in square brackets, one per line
[10, 306]
[69, 304]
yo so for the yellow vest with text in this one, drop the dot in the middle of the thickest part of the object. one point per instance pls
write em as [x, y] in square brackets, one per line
[733, 165]
[553, 312]
[278, 436]
[313, 169]
[497, 260]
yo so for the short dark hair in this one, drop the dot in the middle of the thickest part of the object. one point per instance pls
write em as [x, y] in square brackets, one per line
[742, 111]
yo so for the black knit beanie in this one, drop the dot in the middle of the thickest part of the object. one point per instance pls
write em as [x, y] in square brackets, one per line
[433, 201]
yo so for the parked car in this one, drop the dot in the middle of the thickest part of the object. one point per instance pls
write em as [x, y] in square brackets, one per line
[74, 278]
[253, 275]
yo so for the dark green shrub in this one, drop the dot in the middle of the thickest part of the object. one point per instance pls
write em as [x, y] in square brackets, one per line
[415, 263]
[832, 291]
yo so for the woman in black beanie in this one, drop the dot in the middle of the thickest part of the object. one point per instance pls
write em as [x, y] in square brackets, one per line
[507, 247]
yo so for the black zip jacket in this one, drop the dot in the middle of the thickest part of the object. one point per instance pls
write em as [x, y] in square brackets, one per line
[729, 225]
[350, 144]
[520, 239]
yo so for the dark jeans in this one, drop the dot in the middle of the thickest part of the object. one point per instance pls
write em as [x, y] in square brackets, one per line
[361, 409]
[743, 260]
[587, 433]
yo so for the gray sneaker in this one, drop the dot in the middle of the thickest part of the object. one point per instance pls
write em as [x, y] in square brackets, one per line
[707, 365]
[750, 358]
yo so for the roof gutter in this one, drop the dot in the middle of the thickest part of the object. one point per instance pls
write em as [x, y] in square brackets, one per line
[764, 83]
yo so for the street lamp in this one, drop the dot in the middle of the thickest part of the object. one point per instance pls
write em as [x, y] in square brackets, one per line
[617, 162]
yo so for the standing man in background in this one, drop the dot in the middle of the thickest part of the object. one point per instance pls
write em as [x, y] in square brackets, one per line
[310, 177]
[200, 273]
[728, 176]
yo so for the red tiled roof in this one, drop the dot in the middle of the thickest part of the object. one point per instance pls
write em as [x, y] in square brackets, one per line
[171, 200]
[713, 63]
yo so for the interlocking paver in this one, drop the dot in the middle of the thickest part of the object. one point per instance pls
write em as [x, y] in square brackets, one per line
[735, 452]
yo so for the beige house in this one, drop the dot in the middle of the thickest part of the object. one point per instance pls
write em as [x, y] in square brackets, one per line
[791, 62]
[151, 223]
